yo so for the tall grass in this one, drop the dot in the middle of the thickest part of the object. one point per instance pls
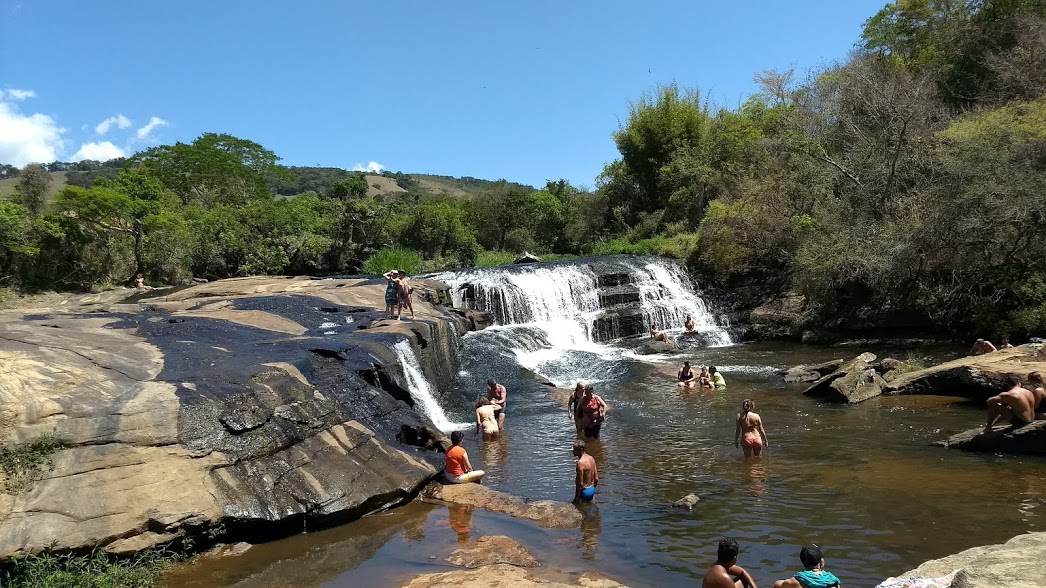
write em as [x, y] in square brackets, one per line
[97, 570]
[677, 246]
[390, 258]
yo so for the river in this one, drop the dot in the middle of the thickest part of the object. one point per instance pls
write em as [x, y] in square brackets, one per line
[861, 481]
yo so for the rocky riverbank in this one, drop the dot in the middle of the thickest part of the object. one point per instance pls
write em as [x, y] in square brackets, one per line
[1018, 563]
[245, 408]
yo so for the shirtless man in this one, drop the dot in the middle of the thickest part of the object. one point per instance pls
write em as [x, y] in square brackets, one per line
[1016, 406]
[725, 573]
[404, 292]
[686, 375]
[1038, 388]
[486, 421]
[139, 283]
[658, 335]
[587, 477]
[689, 324]
[749, 422]
[1006, 343]
[499, 398]
[980, 347]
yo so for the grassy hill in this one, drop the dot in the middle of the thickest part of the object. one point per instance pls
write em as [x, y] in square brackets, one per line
[7, 186]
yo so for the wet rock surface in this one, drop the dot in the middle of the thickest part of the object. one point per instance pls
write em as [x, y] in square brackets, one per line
[260, 404]
[854, 381]
[507, 576]
[978, 377]
[1028, 439]
[487, 551]
[1018, 563]
[546, 513]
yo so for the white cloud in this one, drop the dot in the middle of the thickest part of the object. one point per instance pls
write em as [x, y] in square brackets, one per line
[27, 138]
[100, 151]
[373, 166]
[121, 122]
[15, 95]
[143, 133]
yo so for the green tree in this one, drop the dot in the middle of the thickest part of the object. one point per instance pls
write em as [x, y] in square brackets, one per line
[32, 188]
[354, 186]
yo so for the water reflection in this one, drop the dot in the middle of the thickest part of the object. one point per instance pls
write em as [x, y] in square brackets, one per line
[757, 472]
[460, 520]
[591, 527]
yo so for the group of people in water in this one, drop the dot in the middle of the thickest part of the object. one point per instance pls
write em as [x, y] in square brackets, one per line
[725, 573]
[708, 379]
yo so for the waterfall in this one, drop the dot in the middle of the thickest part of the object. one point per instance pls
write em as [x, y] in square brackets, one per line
[579, 304]
[421, 389]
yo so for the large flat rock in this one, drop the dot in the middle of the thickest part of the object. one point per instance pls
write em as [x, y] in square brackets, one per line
[1029, 439]
[505, 576]
[547, 513]
[254, 405]
[979, 377]
[1018, 563]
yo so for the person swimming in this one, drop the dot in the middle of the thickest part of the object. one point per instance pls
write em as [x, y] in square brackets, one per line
[686, 376]
[717, 378]
[814, 576]
[587, 475]
[751, 425]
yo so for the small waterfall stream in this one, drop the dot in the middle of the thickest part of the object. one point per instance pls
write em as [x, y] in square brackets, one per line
[421, 389]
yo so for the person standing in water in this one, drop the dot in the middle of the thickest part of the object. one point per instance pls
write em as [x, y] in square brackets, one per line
[725, 573]
[687, 377]
[574, 405]
[498, 396]
[587, 475]
[717, 378]
[458, 469]
[593, 412]
[486, 421]
[751, 425]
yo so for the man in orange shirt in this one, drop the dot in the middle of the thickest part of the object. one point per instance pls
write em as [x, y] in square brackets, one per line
[458, 469]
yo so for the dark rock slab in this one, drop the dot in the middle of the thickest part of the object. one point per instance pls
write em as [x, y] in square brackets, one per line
[656, 347]
[1029, 439]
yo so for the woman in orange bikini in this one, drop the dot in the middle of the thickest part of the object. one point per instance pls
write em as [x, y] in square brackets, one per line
[755, 437]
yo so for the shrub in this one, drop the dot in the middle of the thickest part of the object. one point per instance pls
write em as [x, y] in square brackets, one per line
[97, 570]
[389, 258]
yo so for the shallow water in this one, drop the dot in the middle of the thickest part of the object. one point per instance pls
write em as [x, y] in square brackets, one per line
[861, 481]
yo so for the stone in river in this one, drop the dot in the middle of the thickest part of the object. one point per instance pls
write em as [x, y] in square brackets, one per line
[1018, 563]
[502, 575]
[687, 501]
[497, 549]
[547, 513]
[1027, 439]
[843, 392]
[656, 347]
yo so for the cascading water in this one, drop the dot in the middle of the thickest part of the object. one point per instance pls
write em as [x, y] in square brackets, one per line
[421, 390]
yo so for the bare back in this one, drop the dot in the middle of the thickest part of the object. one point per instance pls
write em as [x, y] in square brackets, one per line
[586, 471]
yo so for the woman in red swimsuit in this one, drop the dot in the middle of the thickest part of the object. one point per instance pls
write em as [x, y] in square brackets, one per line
[751, 425]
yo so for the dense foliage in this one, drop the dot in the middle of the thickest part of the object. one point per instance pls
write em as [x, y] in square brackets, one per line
[903, 186]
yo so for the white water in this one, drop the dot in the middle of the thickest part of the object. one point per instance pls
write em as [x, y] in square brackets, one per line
[421, 389]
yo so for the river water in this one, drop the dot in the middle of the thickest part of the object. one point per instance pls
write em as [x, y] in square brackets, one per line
[861, 481]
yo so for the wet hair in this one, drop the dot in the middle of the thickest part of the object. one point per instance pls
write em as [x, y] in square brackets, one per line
[686, 363]
[811, 556]
[581, 384]
[728, 550]
[711, 369]
[482, 401]
[456, 437]
[589, 389]
[747, 405]
[980, 340]
[1036, 378]
[492, 382]
[579, 444]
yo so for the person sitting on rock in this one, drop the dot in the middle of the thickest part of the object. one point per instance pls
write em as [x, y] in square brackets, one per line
[486, 421]
[1037, 384]
[687, 377]
[814, 576]
[458, 469]
[586, 474]
[139, 283]
[705, 379]
[980, 347]
[1016, 406]
[1006, 343]
[689, 324]
[657, 335]
[498, 396]
[725, 573]
[718, 381]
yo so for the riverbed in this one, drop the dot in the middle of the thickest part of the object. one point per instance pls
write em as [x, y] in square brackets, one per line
[861, 481]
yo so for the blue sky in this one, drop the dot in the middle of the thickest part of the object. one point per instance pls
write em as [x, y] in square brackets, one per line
[526, 91]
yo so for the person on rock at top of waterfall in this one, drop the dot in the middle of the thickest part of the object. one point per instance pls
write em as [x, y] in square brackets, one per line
[404, 291]
[486, 418]
[752, 426]
[687, 377]
[392, 293]
[574, 405]
[458, 469]
[593, 413]
[587, 474]
[1016, 406]
[718, 381]
[657, 335]
[499, 399]
[689, 324]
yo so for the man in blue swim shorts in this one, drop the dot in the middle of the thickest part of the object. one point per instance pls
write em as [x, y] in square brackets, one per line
[587, 475]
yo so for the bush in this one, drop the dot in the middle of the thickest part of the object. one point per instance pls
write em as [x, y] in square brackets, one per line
[97, 570]
[677, 247]
[492, 258]
[389, 258]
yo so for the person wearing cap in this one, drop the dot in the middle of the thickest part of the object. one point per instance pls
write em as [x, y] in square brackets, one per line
[725, 573]
[814, 576]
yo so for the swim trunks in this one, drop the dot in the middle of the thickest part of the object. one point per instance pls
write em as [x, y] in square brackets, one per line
[588, 493]
[592, 431]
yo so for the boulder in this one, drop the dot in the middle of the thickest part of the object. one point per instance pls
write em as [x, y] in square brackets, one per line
[505, 575]
[823, 386]
[656, 347]
[1018, 563]
[487, 551]
[258, 405]
[978, 377]
[856, 386]
[547, 513]
[526, 257]
[1027, 439]
[800, 374]
[688, 502]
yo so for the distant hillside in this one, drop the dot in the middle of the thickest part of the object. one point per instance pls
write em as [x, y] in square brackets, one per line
[58, 181]
[320, 180]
